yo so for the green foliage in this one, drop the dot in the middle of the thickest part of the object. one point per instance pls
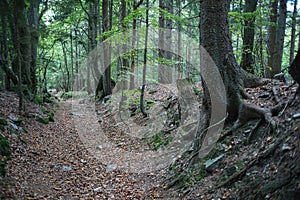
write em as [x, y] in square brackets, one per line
[3, 121]
[38, 99]
[160, 140]
[50, 115]
[43, 120]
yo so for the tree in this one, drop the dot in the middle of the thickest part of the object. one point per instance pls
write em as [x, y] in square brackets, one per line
[293, 34]
[107, 86]
[280, 33]
[248, 36]
[271, 38]
[215, 38]
[142, 101]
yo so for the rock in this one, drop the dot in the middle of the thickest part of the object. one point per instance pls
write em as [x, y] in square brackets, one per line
[296, 116]
[121, 144]
[14, 126]
[264, 95]
[285, 147]
[97, 189]
[75, 113]
[15, 120]
[211, 163]
[66, 168]
[3, 122]
[110, 168]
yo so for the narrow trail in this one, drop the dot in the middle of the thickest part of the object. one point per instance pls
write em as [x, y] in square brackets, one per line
[54, 164]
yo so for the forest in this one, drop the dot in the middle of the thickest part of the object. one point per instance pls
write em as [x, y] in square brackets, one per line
[139, 99]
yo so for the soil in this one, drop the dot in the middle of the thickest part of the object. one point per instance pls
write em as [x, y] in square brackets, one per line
[51, 161]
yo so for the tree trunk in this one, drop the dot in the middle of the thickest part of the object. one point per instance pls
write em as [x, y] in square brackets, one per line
[280, 33]
[248, 37]
[33, 18]
[107, 87]
[142, 101]
[215, 30]
[125, 61]
[168, 42]
[161, 53]
[271, 39]
[25, 44]
[293, 34]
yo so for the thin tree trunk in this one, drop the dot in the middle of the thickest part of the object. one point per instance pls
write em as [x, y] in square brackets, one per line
[142, 101]
[179, 46]
[67, 81]
[293, 34]
[168, 39]
[161, 67]
[107, 86]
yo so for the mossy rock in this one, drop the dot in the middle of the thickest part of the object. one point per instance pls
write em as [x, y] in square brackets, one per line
[3, 122]
[43, 120]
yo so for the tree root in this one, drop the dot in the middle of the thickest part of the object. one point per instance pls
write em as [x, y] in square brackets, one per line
[249, 112]
[238, 175]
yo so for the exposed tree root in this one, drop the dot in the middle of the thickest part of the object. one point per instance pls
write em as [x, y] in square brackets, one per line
[249, 112]
[263, 154]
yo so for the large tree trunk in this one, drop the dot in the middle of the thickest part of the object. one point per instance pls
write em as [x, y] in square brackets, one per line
[248, 37]
[215, 30]
[215, 39]
[281, 24]
[25, 43]
[33, 18]
[271, 38]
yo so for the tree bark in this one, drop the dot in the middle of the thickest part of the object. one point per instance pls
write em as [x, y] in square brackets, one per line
[280, 33]
[293, 34]
[271, 38]
[142, 101]
[107, 87]
[168, 41]
[161, 52]
[215, 30]
[248, 37]
[33, 18]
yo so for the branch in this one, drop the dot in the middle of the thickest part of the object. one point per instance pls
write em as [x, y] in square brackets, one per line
[138, 4]
[44, 10]
[86, 12]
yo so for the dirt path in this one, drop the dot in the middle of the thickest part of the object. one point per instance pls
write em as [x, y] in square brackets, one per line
[54, 164]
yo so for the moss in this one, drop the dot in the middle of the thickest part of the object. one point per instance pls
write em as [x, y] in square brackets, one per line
[3, 122]
[43, 120]
[38, 99]
[160, 140]
[49, 114]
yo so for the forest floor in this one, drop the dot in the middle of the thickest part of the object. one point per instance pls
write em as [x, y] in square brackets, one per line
[50, 160]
